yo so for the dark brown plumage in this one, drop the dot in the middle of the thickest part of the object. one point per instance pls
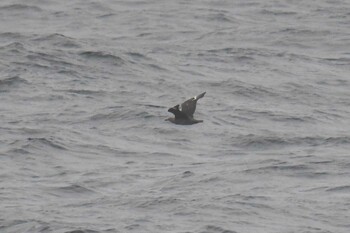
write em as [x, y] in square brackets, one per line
[184, 114]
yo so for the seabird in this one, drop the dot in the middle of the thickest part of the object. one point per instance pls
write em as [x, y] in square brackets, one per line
[184, 113]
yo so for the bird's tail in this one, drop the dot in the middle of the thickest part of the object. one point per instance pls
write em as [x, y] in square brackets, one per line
[199, 96]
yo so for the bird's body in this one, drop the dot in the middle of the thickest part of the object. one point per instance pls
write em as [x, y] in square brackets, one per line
[184, 114]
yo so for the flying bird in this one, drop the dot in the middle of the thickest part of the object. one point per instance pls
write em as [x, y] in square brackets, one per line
[184, 113]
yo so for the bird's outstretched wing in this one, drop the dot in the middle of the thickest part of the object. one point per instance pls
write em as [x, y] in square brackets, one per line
[178, 114]
[189, 106]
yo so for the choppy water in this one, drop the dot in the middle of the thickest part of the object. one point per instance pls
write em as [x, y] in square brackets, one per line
[84, 91]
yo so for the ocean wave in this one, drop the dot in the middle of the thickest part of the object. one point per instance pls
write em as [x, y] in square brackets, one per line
[246, 90]
[112, 115]
[266, 142]
[252, 115]
[44, 142]
[25, 226]
[342, 188]
[12, 35]
[57, 39]
[20, 7]
[82, 231]
[13, 48]
[237, 54]
[103, 57]
[124, 114]
[215, 229]
[72, 189]
[156, 202]
[11, 82]
[108, 15]
[304, 32]
[137, 56]
[86, 92]
[278, 12]
[47, 59]
[304, 170]
[281, 167]
[341, 61]
[220, 17]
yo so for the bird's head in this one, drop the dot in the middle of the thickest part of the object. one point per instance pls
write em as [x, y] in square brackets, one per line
[174, 109]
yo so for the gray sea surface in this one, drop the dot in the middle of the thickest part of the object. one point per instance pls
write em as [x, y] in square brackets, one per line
[84, 90]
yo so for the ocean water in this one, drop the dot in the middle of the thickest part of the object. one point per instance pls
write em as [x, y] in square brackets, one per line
[84, 90]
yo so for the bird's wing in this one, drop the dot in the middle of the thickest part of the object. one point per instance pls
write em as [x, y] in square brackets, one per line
[178, 114]
[189, 106]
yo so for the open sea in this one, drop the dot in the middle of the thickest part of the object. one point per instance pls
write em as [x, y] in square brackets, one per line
[85, 86]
